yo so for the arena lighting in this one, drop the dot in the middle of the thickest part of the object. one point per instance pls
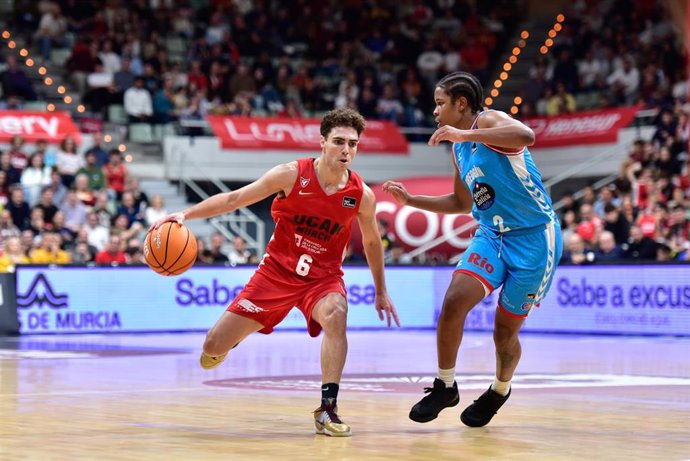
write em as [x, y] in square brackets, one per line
[122, 148]
[548, 42]
[560, 18]
[552, 33]
[29, 62]
[514, 110]
[488, 101]
[68, 99]
[544, 49]
[61, 89]
[11, 44]
[512, 59]
[503, 76]
[50, 107]
[517, 100]
[507, 66]
[494, 92]
[5, 34]
[522, 43]
[524, 35]
[48, 81]
[81, 108]
[23, 52]
[516, 51]
[42, 70]
[557, 27]
[107, 138]
[498, 83]
[129, 158]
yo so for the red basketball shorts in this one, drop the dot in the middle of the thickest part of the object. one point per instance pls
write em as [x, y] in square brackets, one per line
[270, 294]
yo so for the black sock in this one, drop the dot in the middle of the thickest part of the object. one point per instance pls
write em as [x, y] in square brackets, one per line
[329, 393]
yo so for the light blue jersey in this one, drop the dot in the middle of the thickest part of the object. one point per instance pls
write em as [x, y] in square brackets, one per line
[506, 188]
[518, 243]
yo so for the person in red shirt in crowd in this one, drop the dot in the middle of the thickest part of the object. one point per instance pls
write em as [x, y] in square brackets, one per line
[316, 202]
[18, 158]
[112, 253]
[115, 174]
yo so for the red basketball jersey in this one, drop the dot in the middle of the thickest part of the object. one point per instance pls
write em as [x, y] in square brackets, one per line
[312, 228]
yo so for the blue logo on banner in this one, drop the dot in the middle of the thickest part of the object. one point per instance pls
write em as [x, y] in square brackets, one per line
[40, 292]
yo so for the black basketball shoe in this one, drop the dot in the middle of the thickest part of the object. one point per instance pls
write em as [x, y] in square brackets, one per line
[484, 408]
[439, 397]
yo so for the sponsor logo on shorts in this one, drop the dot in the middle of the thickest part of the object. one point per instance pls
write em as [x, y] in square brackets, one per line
[248, 306]
[480, 261]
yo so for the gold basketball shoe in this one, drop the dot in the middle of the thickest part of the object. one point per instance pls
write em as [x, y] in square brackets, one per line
[327, 422]
[207, 362]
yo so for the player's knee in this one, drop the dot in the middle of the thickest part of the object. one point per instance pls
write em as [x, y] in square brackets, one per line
[456, 302]
[504, 337]
[334, 315]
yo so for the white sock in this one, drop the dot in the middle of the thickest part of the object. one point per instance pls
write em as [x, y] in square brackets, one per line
[501, 387]
[447, 376]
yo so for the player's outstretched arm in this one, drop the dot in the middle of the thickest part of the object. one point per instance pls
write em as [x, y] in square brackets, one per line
[278, 179]
[458, 201]
[494, 128]
[373, 249]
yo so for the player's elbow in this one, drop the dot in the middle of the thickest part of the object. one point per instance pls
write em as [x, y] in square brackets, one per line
[528, 137]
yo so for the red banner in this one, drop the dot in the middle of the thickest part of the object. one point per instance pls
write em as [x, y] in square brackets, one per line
[581, 128]
[380, 137]
[413, 227]
[33, 126]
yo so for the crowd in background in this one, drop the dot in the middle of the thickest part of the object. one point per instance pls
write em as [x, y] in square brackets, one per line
[165, 61]
[609, 53]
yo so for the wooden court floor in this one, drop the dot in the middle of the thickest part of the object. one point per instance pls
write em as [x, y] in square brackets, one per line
[143, 397]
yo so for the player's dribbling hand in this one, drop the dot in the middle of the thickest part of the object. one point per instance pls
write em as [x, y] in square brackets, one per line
[172, 217]
[383, 304]
[448, 133]
[398, 191]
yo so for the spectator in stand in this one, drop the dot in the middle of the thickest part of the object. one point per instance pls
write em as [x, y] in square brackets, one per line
[18, 157]
[66, 234]
[112, 253]
[93, 172]
[51, 30]
[14, 82]
[36, 222]
[49, 251]
[155, 211]
[75, 211]
[389, 106]
[576, 251]
[606, 196]
[115, 174]
[12, 174]
[138, 103]
[638, 246]
[625, 82]
[97, 235]
[123, 79]
[607, 250]
[82, 254]
[239, 254]
[141, 199]
[18, 208]
[99, 89]
[590, 224]
[163, 103]
[129, 209]
[68, 161]
[46, 204]
[216, 252]
[84, 193]
[4, 189]
[203, 254]
[13, 255]
[561, 102]
[616, 223]
[34, 178]
[124, 230]
[59, 189]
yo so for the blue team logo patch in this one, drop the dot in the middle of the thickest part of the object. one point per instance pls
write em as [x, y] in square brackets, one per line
[484, 195]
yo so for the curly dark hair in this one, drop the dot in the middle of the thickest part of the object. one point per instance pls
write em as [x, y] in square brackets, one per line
[463, 84]
[342, 117]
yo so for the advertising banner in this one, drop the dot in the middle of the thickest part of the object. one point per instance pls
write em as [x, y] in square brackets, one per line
[649, 300]
[380, 137]
[33, 126]
[119, 299]
[595, 127]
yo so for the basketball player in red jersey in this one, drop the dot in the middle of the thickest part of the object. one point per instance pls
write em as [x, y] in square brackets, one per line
[317, 200]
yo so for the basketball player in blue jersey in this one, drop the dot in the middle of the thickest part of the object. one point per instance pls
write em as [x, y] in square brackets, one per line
[517, 245]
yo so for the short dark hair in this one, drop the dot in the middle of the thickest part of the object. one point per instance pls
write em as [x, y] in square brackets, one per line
[463, 84]
[342, 117]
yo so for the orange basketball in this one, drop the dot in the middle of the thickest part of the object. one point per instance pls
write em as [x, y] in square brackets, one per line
[170, 249]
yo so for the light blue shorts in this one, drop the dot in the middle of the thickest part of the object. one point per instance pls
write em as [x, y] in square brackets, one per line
[523, 261]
